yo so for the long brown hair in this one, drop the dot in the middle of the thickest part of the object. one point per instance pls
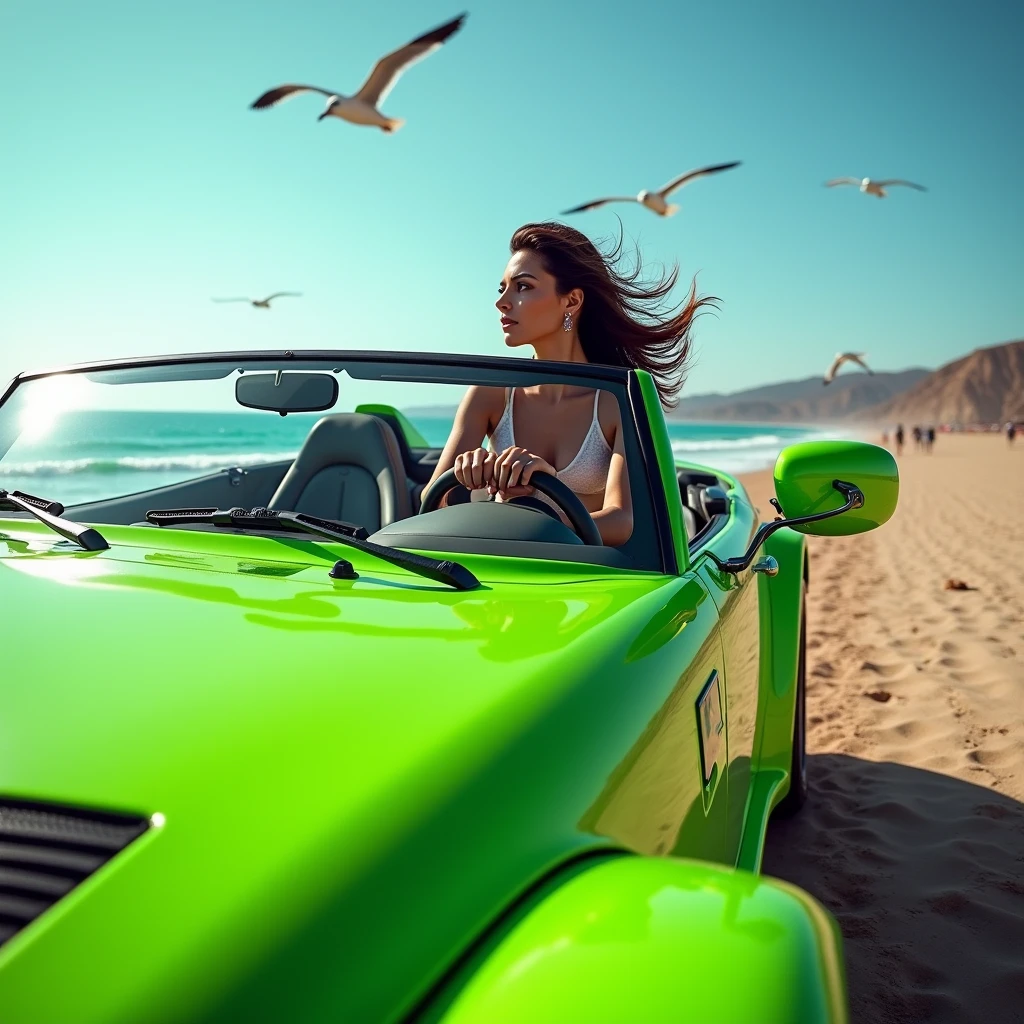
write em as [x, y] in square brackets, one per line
[621, 322]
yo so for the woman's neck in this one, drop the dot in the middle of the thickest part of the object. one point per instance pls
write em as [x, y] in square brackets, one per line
[565, 347]
[562, 346]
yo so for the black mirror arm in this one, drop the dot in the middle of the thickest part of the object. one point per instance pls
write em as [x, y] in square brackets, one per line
[854, 499]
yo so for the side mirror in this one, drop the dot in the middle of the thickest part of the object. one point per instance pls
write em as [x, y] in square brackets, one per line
[828, 488]
[805, 476]
[287, 392]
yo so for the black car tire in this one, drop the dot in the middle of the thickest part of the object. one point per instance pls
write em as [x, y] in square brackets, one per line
[797, 795]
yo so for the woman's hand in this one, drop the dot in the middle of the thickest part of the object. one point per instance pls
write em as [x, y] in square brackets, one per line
[511, 472]
[507, 474]
[475, 469]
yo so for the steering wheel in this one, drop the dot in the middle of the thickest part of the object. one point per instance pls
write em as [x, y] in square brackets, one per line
[564, 497]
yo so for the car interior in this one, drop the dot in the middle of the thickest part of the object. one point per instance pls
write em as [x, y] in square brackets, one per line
[705, 503]
[359, 468]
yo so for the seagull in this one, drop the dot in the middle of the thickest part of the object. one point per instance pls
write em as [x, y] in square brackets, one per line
[846, 357]
[656, 201]
[873, 188]
[362, 108]
[260, 303]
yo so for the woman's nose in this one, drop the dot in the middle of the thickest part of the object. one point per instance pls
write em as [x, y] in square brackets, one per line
[504, 304]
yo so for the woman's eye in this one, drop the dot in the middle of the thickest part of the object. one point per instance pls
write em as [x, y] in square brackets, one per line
[521, 286]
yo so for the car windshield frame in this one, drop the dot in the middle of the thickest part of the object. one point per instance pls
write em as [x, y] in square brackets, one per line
[651, 514]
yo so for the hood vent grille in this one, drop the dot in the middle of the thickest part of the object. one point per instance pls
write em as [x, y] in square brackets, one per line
[46, 850]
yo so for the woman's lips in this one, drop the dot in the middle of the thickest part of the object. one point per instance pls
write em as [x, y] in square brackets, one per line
[508, 321]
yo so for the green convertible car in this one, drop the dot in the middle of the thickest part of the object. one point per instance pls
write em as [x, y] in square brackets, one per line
[283, 737]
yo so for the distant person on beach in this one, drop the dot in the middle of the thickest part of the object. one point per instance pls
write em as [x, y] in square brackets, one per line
[1011, 432]
[929, 439]
[917, 437]
[899, 439]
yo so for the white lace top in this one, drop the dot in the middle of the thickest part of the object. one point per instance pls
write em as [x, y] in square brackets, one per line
[587, 474]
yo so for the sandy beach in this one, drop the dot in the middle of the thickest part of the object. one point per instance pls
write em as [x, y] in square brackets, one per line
[913, 835]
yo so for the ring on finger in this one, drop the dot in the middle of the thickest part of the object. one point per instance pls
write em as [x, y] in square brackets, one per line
[518, 468]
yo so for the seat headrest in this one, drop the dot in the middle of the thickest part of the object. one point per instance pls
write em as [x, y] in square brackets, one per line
[350, 439]
[353, 438]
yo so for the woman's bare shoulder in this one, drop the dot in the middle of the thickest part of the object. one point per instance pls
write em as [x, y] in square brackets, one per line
[480, 397]
[481, 407]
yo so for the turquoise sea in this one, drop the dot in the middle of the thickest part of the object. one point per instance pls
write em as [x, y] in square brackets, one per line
[92, 455]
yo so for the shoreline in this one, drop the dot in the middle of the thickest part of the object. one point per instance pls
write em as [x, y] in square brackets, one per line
[913, 832]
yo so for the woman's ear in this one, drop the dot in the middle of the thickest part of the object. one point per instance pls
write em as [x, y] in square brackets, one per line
[574, 302]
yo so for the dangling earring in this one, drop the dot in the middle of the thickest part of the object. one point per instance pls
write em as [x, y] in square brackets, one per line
[567, 323]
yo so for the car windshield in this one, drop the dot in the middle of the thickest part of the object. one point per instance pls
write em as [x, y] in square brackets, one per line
[113, 441]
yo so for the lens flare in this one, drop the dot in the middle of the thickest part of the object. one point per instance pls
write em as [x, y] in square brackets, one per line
[47, 400]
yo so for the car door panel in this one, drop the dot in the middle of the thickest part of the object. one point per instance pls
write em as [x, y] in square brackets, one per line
[659, 800]
[736, 598]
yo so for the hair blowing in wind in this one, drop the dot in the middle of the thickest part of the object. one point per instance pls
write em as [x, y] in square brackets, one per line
[623, 320]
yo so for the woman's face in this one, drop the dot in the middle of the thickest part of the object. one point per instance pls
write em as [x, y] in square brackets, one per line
[530, 307]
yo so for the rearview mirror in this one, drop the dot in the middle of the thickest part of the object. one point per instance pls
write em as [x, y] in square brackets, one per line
[287, 392]
[805, 476]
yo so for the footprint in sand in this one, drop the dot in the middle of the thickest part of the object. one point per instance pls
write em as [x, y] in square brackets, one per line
[874, 857]
[949, 904]
[923, 974]
[987, 756]
[908, 730]
[997, 812]
[857, 927]
[887, 670]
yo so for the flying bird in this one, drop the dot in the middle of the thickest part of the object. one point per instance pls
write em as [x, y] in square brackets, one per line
[845, 357]
[362, 107]
[656, 201]
[873, 188]
[260, 303]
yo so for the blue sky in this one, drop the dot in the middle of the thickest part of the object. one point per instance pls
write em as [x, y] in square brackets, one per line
[136, 184]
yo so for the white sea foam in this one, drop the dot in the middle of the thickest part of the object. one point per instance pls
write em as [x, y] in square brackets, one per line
[142, 464]
[725, 444]
[738, 454]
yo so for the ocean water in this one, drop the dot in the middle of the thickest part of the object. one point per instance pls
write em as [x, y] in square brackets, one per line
[93, 455]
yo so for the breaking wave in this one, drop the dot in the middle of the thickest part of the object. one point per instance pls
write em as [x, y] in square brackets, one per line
[140, 464]
[725, 444]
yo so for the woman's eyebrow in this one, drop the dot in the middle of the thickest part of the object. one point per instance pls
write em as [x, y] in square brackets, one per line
[515, 277]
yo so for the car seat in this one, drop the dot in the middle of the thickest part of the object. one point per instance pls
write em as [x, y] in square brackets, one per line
[349, 468]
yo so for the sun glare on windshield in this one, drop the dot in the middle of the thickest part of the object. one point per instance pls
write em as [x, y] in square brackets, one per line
[49, 399]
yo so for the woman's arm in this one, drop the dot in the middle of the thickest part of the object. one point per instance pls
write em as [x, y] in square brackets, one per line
[472, 424]
[615, 518]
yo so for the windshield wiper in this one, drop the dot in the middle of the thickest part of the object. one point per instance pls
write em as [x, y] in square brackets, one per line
[447, 571]
[49, 512]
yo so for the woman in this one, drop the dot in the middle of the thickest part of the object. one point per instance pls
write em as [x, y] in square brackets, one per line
[561, 296]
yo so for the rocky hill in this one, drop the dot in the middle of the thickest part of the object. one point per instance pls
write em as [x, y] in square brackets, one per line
[986, 386]
[796, 401]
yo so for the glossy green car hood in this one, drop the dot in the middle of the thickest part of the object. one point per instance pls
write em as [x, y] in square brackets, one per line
[353, 776]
